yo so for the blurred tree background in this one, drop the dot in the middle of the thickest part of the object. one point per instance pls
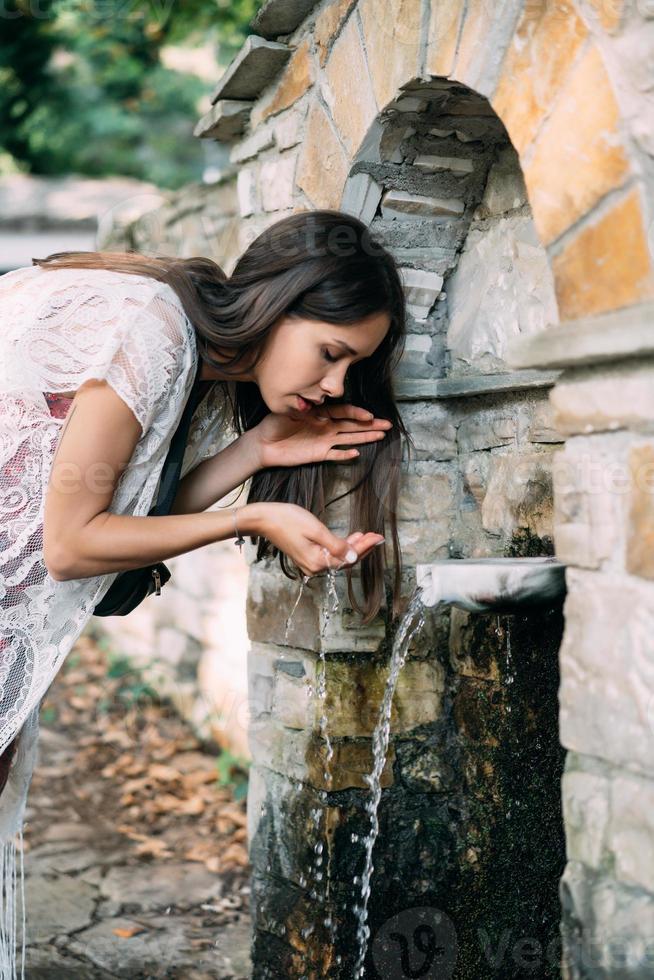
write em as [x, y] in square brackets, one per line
[94, 87]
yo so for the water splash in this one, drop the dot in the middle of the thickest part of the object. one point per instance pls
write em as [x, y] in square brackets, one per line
[303, 582]
[411, 623]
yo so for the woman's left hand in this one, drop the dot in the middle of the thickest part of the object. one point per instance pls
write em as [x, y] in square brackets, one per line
[284, 441]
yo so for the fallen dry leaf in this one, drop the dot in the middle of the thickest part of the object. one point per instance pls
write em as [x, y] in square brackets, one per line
[126, 932]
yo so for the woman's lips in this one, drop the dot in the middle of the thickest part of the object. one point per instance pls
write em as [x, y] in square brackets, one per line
[303, 404]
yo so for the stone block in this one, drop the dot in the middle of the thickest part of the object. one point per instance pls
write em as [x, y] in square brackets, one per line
[432, 163]
[392, 34]
[348, 92]
[639, 550]
[323, 165]
[283, 750]
[260, 680]
[270, 593]
[404, 203]
[486, 32]
[426, 497]
[588, 512]
[408, 103]
[347, 766]
[354, 695]
[277, 182]
[631, 830]
[290, 86]
[475, 471]
[277, 17]
[483, 430]
[415, 361]
[247, 187]
[327, 25]
[519, 494]
[431, 429]
[395, 134]
[609, 13]
[538, 422]
[513, 292]
[288, 128]
[606, 928]
[601, 398]
[361, 197]
[576, 158]
[252, 69]
[342, 631]
[585, 798]
[607, 669]
[261, 139]
[444, 26]
[505, 187]
[617, 244]
[311, 627]
[424, 541]
[225, 121]
[302, 755]
[543, 48]
[421, 290]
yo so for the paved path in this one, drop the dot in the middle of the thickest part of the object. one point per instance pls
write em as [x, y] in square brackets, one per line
[96, 907]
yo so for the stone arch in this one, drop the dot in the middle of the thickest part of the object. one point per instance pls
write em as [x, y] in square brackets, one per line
[582, 175]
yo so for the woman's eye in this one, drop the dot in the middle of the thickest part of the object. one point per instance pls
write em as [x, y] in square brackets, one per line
[328, 357]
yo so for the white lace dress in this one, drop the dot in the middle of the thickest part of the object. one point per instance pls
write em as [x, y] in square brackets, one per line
[58, 329]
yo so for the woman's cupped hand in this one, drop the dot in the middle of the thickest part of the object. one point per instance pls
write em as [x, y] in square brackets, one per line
[286, 441]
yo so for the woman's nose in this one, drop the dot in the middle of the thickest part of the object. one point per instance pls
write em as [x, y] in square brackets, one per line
[333, 384]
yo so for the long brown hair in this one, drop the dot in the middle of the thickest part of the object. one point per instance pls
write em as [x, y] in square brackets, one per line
[318, 265]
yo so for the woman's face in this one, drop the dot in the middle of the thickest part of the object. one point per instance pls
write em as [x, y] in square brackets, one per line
[304, 361]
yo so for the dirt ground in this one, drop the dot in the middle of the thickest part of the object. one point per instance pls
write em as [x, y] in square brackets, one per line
[135, 837]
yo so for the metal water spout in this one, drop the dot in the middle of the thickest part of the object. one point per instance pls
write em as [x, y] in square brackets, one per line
[492, 584]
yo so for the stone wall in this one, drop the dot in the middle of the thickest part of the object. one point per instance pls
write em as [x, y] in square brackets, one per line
[503, 152]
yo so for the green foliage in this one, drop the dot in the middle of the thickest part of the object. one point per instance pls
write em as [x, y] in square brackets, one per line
[233, 772]
[83, 89]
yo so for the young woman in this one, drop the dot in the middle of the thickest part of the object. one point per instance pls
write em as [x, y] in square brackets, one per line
[98, 354]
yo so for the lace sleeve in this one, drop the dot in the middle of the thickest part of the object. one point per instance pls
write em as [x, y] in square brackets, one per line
[131, 334]
[212, 429]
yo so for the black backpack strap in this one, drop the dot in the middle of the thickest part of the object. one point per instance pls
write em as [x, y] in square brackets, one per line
[173, 462]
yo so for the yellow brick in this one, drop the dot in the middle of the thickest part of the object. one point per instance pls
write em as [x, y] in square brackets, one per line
[351, 98]
[639, 556]
[607, 265]
[473, 49]
[391, 30]
[444, 25]
[293, 82]
[609, 13]
[546, 42]
[327, 24]
[323, 166]
[577, 157]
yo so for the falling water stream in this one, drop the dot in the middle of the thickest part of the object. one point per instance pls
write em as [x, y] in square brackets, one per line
[411, 622]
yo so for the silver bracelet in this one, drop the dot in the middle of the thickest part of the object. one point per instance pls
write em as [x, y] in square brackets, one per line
[240, 540]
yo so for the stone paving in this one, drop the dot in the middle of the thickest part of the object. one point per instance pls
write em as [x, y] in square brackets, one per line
[97, 910]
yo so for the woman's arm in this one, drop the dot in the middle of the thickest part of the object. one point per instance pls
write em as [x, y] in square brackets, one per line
[210, 480]
[80, 537]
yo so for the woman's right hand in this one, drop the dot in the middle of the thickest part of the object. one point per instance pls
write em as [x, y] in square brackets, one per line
[300, 535]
